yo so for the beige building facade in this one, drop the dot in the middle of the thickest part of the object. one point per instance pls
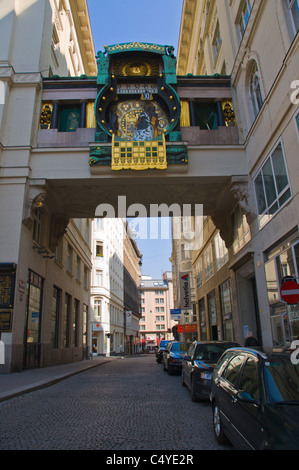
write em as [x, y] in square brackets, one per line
[156, 305]
[255, 43]
[46, 321]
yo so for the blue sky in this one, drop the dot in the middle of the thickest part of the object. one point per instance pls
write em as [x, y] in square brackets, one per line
[118, 21]
[157, 21]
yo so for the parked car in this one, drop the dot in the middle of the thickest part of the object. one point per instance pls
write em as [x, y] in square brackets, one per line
[173, 356]
[255, 400]
[198, 366]
[160, 349]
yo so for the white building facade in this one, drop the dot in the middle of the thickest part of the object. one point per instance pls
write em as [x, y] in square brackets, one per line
[107, 287]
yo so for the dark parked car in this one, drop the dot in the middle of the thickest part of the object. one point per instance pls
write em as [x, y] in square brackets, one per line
[255, 400]
[160, 349]
[173, 356]
[198, 366]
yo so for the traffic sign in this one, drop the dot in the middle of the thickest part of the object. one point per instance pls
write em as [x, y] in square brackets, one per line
[289, 292]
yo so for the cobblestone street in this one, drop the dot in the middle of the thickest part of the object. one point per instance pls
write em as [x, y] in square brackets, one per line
[125, 404]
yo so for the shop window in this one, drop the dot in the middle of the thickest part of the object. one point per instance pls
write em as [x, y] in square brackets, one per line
[271, 185]
[226, 310]
[76, 314]
[66, 321]
[55, 316]
[33, 320]
[202, 319]
[85, 325]
[284, 318]
[212, 311]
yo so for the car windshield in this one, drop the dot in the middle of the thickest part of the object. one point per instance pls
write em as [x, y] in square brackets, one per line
[282, 381]
[211, 352]
[164, 343]
[180, 347]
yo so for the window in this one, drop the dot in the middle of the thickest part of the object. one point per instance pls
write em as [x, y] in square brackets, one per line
[69, 118]
[55, 314]
[98, 278]
[98, 308]
[59, 251]
[76, 323]
[249, 381]
[85, 280]
[212, 310]
[217, 41]
[199, 273]
[271, 184]
[85, 325]
[78, 268]
[292, 7]
[202, 319]
[231, 373]
[244, 17]
[241, 229]
[208, 262]
[66, 321]
[221, 252]
[99, 249]
[69, 263]
[255, 93]
[226, 309]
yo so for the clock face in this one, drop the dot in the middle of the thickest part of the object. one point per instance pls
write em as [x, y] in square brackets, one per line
[130, 113]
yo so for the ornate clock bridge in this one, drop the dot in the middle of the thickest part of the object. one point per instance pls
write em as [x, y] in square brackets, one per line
[136, 130]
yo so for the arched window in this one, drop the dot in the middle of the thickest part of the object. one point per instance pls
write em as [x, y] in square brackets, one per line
[255, 93]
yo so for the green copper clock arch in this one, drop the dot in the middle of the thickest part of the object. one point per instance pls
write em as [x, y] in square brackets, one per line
[139, 83]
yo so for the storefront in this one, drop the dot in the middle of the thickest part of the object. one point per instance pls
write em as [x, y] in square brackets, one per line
[282, 261]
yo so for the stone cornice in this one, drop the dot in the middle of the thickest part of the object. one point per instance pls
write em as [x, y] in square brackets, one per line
[82, 25]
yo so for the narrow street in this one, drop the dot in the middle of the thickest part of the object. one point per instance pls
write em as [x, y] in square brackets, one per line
[125, 404]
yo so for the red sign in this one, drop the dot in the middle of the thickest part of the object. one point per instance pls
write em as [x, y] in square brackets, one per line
[289, 292]
[187, 328]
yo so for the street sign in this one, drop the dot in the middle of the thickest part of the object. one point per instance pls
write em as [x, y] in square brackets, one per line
[289, 292]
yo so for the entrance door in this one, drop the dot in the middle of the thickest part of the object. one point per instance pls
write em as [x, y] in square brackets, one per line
[33, 321]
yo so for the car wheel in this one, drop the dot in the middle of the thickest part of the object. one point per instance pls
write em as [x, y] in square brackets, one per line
[217, 426]
[169, 370]
[182, 378]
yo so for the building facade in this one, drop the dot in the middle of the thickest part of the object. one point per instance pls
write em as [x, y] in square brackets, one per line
[45, 256]
[238, 283]
[156, 302]
[132, 307]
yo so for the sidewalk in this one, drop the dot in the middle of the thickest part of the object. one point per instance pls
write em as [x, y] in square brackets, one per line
[18, 383]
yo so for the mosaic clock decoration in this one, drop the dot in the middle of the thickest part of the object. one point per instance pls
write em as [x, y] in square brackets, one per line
[137, 109]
